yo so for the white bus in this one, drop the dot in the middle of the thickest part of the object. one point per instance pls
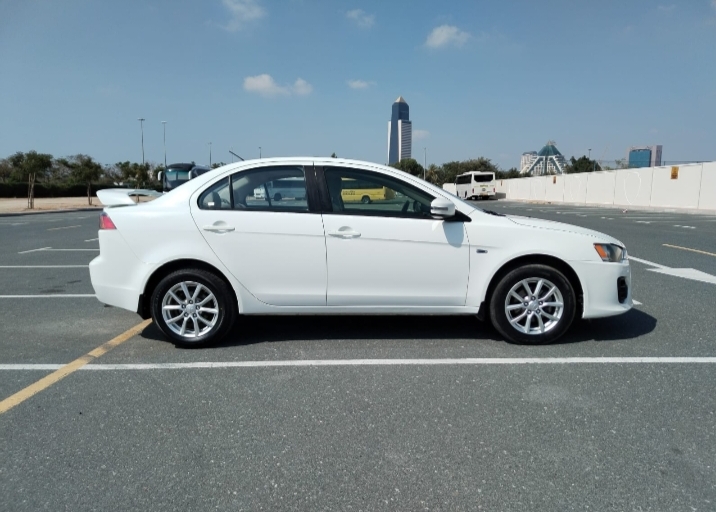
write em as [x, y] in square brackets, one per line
[475, 185]
[284, 188]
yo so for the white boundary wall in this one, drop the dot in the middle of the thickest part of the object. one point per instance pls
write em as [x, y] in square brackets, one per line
[691, 186]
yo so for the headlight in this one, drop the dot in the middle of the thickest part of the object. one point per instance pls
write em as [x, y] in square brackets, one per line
[611, 252]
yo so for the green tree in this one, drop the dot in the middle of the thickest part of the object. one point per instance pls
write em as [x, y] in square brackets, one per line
[333, 155]
[5, 170]
[32, 162]
[583, 164]
[409, 165]
[508, 175]
[83, 169]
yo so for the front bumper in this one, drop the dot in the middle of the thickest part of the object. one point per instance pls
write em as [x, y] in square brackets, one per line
[603, 286]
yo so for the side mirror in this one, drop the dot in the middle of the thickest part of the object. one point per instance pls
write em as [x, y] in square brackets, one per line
[442, 208]
[159, 176]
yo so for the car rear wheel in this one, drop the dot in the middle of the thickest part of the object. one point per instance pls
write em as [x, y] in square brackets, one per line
[193, 307]
[533, 305]
[277, 197]
[365, 200]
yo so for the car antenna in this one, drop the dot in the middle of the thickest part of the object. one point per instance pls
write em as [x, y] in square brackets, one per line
[237, 156]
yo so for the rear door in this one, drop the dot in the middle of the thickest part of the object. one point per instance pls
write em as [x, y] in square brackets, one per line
[275, 248]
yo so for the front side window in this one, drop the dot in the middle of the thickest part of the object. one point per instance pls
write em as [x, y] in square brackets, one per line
[270, 188]
[359, 192]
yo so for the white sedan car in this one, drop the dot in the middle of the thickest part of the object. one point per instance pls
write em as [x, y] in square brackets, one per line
[198, 258]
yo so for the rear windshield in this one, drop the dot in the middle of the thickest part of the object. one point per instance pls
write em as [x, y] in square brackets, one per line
[480, 178]
[177, 174]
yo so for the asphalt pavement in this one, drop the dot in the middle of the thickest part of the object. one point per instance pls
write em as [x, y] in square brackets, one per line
[362, 413]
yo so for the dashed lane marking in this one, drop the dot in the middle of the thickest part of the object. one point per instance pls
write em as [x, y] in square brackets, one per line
[64, 227]
[35, 250]
[50, 296]
[44, 266]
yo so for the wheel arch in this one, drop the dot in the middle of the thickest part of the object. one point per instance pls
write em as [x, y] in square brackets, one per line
[530, 259]
[143, 307]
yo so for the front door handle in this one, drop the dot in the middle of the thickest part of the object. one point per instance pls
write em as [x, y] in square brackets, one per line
[344, 233]
[219, 228]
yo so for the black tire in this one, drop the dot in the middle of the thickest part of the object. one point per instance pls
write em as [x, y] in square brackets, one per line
[365, 200]
[277, 197]
[499, 313]
[225, 302]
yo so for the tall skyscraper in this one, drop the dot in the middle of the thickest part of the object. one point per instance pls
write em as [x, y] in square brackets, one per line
[644, 156]
[400, 132]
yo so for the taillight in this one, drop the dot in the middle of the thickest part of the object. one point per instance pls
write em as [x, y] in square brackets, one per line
[105, 222]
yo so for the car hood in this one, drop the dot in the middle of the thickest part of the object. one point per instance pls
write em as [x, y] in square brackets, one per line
[560, 226]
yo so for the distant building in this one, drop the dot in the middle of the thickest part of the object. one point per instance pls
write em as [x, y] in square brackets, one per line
[400, 132]
[644, 156]
[527, 159]
[548, 161]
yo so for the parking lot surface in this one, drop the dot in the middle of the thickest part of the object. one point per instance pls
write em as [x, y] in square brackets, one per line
[362, 413]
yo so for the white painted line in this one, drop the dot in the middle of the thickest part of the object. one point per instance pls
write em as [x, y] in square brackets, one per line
[18, 223]
[44, 266]
[637, 303]
[69, 250]
[92, 240]
[643, 222]
[685, 227]
[35, 250]
[375, 362]
[63, 227]
[646, 262]
[52, 295]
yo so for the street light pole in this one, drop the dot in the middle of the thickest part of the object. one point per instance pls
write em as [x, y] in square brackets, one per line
[164, 124]
[141, 126]
[209, 154]
[425, 161]
[259, 152]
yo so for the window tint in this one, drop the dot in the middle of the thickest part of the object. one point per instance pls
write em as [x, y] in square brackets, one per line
[461, 180]
[481, 178]
[270, 188]
[359, 192]
[216, 197]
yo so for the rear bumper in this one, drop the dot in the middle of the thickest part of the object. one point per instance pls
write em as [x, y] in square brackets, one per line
[117, 275]
[601, 283]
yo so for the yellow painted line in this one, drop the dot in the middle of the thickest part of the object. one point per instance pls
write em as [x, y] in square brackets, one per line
[69, 368]
[687, 249]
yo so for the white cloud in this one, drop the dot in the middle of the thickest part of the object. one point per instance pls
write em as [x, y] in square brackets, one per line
[242, 12]
[301, 87]
[267, 87]
[713, 4]
[359, 84]
[446, 35]
[420, 134]
[361, 18]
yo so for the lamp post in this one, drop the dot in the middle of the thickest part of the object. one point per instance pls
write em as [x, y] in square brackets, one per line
[141, 126]
[164, 124]
[259, 152]
[209, 154]
[425, 162]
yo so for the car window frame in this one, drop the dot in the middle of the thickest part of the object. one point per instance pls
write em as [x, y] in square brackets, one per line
[312, 195]
[327, 205]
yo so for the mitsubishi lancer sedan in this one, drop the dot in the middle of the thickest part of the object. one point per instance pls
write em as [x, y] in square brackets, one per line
[225, 245]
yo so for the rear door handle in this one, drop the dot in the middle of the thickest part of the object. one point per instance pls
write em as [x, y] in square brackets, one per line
[344, 233]
[220, 228]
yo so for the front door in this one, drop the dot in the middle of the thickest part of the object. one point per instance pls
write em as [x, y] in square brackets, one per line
[383, 247]
[274, 246]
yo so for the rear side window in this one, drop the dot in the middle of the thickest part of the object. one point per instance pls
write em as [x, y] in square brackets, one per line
[270, 189]
[216, 197]
[462, 180]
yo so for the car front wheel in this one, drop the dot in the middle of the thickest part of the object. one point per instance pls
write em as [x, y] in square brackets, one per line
[193, 307]
[533, 304]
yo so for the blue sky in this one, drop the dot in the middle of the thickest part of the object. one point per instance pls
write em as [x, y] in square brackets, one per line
[300, 77]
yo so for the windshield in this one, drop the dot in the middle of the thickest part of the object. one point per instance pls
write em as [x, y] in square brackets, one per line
[177, 174]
